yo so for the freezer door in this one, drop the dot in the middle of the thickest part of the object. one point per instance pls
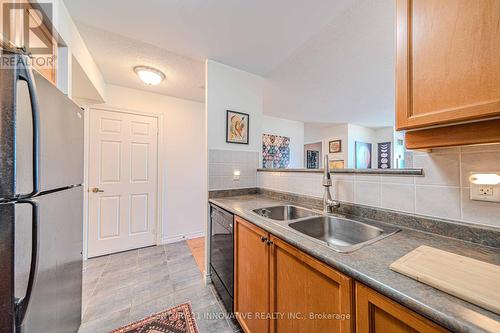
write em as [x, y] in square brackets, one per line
[54, 303]
[60, 138]
[9, 76]
[56, 300]
[7, 218]
[41, 133]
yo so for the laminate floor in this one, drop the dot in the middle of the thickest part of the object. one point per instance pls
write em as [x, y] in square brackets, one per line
[197, 246]
[125, 287]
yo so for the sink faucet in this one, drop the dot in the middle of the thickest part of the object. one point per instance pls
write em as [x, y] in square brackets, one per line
[328, 203]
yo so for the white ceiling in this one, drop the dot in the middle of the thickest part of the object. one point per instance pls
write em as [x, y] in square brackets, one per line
[326, 60]
[343, 74]
[253, 35]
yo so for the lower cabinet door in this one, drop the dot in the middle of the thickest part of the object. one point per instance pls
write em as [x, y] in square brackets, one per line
[251, 277]
[306, 295]
[376, 313]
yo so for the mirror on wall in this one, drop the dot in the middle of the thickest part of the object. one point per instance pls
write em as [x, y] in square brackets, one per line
[290, 144]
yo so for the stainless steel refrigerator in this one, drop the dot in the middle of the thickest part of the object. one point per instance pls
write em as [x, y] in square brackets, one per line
[41, 202]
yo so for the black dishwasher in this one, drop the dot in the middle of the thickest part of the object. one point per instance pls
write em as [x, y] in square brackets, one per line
[222, 254]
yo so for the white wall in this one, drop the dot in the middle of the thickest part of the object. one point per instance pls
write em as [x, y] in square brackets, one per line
[325, 134]
[384, 134]
[349, 134]
[289, 128]
[361, 134]
[185, 168]
[228, 88]
[369, 135]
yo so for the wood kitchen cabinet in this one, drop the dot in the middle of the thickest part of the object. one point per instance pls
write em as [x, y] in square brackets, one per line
[283, 286]
[448, 70]
[303, 287]
[376, 313]
[251, 276]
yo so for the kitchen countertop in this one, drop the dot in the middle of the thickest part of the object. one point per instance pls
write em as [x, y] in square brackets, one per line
[370, 265]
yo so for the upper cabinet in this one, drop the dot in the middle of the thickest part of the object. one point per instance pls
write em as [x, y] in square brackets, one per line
[448, 63]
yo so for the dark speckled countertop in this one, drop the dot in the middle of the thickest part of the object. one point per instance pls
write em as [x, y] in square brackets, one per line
[370, 265]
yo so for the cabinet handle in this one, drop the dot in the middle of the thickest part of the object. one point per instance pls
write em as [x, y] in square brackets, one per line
[270, 242]
[263, 239]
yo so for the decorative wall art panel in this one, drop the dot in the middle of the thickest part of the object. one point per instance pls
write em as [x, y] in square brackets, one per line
[363, 156]
[313, 159]
[384, 155]
[336, 164]
[275, 151]
[237, 127]
[335, 146]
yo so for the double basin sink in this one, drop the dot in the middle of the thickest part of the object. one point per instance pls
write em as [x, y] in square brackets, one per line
[339, 233]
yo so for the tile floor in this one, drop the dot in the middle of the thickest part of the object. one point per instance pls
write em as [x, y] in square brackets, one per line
[125, 287]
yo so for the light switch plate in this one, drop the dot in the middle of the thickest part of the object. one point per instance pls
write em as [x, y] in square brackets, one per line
[489, 193]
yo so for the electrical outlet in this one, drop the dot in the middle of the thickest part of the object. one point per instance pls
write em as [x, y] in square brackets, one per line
[486, 190]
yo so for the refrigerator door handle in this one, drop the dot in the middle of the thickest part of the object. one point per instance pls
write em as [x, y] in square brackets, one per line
[24, 73]
[21, 304]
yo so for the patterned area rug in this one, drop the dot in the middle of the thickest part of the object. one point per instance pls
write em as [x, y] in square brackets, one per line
[178, 319]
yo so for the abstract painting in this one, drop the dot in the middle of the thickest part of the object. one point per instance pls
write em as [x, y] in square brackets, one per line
[275, 151]
[237, 127]
[363, 155]
[336, 164]
[384, 155]
[313, 159]
[335, 146]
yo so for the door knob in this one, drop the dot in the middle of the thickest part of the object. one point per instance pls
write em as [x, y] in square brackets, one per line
[97, 190]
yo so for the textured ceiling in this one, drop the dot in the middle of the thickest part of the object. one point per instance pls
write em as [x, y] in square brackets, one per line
[343, 74]
[117, 56]
[329, 61]
[253, 35]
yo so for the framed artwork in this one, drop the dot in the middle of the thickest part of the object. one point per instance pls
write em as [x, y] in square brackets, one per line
[363, 155]
[384, 155]
[313, 159]
[335, 146]
[337, 164]
[275, 151]
[237, 127]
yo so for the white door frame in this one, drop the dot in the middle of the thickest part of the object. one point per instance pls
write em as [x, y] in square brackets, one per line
[159, 186]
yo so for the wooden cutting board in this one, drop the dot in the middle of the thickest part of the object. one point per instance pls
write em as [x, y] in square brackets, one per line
[472, 280]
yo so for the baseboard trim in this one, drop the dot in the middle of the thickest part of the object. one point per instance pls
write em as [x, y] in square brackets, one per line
[178, 238]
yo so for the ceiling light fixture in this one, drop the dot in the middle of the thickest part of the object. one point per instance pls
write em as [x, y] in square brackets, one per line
[150, 76]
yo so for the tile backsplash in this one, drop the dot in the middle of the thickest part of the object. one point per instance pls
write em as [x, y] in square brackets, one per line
[442, 192]
[223, 163]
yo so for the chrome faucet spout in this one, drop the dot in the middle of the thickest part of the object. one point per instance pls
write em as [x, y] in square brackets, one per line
[328, 203]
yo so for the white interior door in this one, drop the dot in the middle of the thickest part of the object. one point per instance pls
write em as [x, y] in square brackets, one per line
[122, 179]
